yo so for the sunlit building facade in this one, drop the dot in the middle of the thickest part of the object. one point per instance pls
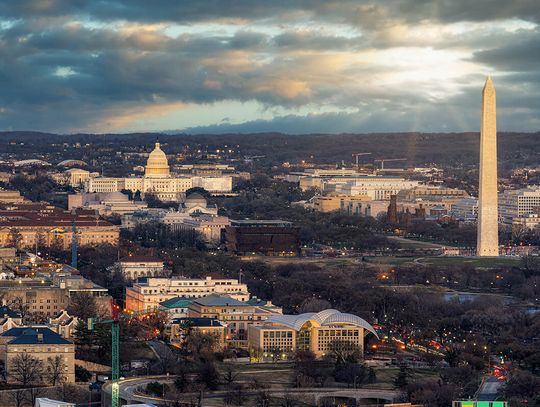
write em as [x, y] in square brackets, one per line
[321, 333]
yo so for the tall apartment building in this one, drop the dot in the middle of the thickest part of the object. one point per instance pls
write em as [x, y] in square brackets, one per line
[147, 294]
[518, 203]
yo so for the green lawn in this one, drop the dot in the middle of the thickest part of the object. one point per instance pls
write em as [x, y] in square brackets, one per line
[447, 261]
[386, 376]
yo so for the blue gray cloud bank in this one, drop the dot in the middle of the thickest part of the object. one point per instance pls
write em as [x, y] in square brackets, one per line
[257, 65]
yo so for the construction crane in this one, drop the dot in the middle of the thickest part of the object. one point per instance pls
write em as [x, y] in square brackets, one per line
[382, 161]
[358, 155]
[117, 316]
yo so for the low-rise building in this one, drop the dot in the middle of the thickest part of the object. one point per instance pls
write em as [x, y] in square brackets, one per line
[136, 266]
[193, 215]
[9, 318]
[42, 344]
[176, 307]
[149, 293]
[321, 333]
[268, 237]
[525, 223]
[28, 225]
[45, 297]
[465, 209]
[76, 177]
[179, 327]
[63, 324]
[8, 196]
[105, 203]
[237, 315]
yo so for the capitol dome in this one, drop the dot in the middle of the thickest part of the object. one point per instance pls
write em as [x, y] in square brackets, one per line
[157, 165]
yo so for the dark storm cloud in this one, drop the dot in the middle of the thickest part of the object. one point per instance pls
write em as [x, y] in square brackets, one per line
[520, 55]
[334, 10]
[75, 64]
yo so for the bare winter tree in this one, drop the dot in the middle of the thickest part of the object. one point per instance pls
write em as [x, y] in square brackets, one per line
[82, 305]
[26, 369]
[17, 397]
[55, 370]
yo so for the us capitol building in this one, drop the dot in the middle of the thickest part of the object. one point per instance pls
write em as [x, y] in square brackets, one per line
[157, 180]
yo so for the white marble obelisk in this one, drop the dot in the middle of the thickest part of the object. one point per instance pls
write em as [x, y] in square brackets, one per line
[488, 227]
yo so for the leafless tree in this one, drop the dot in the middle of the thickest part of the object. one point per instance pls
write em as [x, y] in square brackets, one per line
[17, 397]
[288, 401]
[230, 376]
[26, 369]
[55, 370]
[33, 393]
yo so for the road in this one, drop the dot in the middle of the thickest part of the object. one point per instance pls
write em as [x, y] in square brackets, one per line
[489, 388]
[128, 390]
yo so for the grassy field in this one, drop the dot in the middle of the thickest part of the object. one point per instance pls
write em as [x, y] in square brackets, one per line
[447, 261]
[386, 376]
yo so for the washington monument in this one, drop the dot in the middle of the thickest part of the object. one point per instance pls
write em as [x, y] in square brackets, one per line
[488, 227]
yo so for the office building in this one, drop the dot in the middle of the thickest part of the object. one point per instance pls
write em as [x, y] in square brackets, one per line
[149, 293]
[268, 237]
[519, 203]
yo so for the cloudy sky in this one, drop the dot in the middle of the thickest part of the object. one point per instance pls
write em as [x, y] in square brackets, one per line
[293, 66]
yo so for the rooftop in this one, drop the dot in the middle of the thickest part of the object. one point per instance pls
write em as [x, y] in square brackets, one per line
[214, 300]
[177, 302]
[260, 222]
[323, 318]
[35, 336]
[8, 312]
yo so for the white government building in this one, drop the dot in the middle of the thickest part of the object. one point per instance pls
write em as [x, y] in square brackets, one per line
[159, 181]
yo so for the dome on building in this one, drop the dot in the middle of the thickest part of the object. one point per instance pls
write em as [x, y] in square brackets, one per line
[157, 165]
[116, 196]
[195, 199]
[326, 317]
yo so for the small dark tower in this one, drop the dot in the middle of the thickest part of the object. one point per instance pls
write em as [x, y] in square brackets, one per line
[392, 210]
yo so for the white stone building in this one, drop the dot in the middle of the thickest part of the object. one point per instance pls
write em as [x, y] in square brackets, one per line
[133, 267]
[149, 293]
[159, 181]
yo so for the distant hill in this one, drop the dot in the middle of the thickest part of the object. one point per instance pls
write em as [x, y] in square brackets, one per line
[455, 149]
